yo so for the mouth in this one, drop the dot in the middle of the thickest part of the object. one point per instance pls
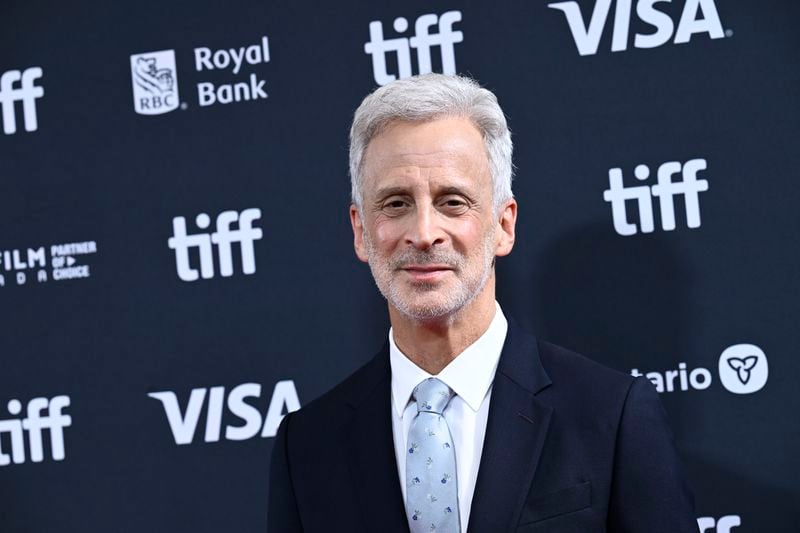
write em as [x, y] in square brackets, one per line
[427, 273]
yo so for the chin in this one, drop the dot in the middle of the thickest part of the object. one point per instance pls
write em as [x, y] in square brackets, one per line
[430, 308]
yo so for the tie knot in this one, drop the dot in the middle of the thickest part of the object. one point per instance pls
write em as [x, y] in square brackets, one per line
[432, 396]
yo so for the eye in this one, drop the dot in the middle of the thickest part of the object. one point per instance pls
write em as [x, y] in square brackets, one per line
[454, 205]
[395, 206]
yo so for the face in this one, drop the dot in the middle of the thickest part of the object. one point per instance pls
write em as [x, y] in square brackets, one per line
[427, 227]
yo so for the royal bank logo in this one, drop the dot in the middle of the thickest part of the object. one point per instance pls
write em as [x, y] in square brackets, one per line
[244, 420]
[686, 185]
[155, 82]
[431, 31]
[154, 76]
[244, 234]
[697, 17]
[20, 86]
[233, 60]
[41, 414]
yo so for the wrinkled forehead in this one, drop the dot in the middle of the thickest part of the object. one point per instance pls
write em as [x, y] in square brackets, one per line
[439, 148]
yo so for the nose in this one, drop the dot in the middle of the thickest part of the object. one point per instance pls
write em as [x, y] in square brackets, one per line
[425, 230]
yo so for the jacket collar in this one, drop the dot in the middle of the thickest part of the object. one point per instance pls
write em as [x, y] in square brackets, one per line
[515, 435]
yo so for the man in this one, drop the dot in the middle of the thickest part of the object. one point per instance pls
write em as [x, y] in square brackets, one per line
[464, 422]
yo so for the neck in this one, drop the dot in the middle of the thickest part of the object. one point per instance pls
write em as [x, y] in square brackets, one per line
[433, 344]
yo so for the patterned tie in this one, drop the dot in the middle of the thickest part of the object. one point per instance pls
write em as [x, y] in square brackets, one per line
[431, 488]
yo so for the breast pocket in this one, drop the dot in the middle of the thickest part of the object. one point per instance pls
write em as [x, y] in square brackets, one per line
[556, 503]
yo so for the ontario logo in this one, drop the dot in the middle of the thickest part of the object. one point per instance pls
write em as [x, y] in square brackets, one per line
[743, 369]
[155, 82]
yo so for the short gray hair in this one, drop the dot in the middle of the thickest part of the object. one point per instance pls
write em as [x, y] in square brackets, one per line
[429, 97]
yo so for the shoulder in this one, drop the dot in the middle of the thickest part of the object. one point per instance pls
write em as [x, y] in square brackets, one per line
[334, 406]
[584, 386]
[565, 366]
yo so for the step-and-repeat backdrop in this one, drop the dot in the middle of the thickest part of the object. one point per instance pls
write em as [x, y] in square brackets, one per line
[176, 263]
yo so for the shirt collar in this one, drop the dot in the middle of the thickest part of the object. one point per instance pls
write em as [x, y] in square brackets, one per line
[470, 374]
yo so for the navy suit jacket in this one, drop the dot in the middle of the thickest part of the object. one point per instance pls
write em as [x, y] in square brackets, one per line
[570, 446]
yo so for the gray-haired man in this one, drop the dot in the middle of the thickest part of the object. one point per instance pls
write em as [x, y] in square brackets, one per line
[464, 422]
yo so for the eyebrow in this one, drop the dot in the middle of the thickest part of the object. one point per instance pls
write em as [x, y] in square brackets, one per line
[452, 190]
[400, 190]
[390, 191]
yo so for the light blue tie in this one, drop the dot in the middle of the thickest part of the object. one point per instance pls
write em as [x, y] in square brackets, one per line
[431, 488]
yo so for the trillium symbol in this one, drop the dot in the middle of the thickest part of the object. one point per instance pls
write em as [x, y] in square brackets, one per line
[743, 366]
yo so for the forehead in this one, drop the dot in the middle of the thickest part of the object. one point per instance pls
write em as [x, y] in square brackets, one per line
[447, 147]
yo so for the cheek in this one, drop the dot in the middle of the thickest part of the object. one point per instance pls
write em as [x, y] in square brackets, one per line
[386, 234]
[469, 235]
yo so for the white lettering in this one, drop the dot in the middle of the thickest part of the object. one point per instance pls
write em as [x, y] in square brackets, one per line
[689, 186]
[184, 425]
[27, 93]
[283, 396]
[690, 24]
[587, 35]
[723, 525]
[202, 59]
[681, 379]
[660, 21]
[81, 271]
[241, 409]
[35, 423]
[223, 238]
[205, 94]
[206, 59]
[423, 40]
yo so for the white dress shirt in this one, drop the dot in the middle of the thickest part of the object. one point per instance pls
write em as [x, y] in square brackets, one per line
[470, 375]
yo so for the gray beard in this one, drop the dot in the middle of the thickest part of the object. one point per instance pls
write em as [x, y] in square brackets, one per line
[454, 301]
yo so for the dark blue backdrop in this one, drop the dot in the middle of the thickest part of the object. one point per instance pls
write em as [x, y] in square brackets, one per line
[133, 400]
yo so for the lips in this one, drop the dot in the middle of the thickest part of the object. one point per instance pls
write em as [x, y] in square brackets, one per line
[426, 268]
[426, 272]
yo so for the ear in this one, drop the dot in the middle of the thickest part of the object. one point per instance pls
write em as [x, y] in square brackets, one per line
[358, 233]
[506, 226]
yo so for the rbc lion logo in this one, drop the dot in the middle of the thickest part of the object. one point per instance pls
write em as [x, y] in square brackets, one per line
[155, 82]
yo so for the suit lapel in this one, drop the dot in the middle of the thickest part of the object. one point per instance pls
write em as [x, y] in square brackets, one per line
[373, 466]
[515, 434]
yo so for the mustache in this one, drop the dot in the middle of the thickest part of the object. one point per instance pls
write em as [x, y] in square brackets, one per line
[430, 257]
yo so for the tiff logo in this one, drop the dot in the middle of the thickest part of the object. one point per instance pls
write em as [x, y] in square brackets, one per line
[587, 34]
[27, 93]
[422, 41]
[666, 189]
[223, 237]
[34, 423]
[708, 524]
